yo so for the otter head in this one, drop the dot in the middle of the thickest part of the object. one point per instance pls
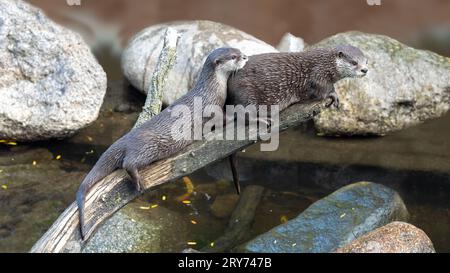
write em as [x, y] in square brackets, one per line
[350, 62]
[226, 60]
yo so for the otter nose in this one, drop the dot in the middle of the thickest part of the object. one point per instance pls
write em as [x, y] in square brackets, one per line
[244, 57]
[364, 70]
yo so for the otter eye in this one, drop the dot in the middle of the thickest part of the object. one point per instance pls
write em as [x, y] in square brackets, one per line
[353, 62]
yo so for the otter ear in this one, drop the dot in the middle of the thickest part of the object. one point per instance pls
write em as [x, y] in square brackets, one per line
[217, 62]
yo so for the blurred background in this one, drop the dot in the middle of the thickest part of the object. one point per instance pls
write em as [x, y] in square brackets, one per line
[425, 23]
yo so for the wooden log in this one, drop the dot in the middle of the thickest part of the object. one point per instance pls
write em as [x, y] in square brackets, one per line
[115, 191]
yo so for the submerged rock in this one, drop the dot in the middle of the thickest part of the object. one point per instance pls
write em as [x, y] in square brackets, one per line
[396, 237]
[334, 221]
[50, 83]
[133, 229]
[404, 87]
[198, 39]
[34, 189]
[223, 206]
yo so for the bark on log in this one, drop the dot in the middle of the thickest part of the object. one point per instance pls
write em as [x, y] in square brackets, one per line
[115, 191]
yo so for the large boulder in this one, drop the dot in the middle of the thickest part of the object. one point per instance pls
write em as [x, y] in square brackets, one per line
[396, 237]
[334, 221]
[50, 83]
[198, 39]
[404, 87]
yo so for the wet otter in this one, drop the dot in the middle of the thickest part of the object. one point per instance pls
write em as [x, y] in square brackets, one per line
[287, 78]
[153, 140]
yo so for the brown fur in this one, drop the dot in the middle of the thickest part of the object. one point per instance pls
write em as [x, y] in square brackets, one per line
[153, 140]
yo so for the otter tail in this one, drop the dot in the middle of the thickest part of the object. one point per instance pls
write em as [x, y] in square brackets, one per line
[110, 161]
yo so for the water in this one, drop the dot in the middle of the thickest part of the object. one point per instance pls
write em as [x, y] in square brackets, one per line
[415, 162]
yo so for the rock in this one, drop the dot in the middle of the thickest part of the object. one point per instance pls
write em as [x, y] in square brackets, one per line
[209, 189]
[133, 229]
[334, 221]
[404, 87]
[224, 205]
[396, 237]
[291, 43]
[50, 83]
[198, 39]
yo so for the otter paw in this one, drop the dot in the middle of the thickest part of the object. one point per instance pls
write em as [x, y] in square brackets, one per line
[334, 101]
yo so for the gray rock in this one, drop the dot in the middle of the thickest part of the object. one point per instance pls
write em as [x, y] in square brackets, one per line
[133, 229]
[404, 87]
[334, 221]
[291, 43]
[50, 83]
[198, 39]
[396, 237]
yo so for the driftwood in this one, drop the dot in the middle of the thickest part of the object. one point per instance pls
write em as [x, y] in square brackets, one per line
[240, 221]
[115, 191]
[166, 61]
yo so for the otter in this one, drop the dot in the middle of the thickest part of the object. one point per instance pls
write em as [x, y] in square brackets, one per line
[284, 79]
[153, 140]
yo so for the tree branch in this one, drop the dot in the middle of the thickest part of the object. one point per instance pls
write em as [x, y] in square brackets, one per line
[166, 61]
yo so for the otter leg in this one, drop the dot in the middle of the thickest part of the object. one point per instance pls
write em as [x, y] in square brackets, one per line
[233, 164]
[136, 178]
[334, 98]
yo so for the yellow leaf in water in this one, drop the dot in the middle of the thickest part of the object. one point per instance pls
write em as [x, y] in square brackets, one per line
[186, 202]
[154, 206]
[58, 157]
[193, 222]
[189, 188]
[283, 219]
[5, 187]
[89, 138]
[12, 143]
[34, 163]
[164, 198]
[145, 208]
[1, 171]
[212, 244]
[343, 215]
[192, 243]
[2, 141]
